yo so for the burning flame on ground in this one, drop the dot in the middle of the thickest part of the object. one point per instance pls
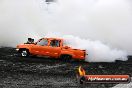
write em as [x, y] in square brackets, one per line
[81, 71]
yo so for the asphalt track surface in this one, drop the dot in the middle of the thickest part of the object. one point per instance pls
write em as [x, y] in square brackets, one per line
[39, 72]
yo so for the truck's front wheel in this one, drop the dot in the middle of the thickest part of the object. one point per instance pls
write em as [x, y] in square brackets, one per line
[24, 53]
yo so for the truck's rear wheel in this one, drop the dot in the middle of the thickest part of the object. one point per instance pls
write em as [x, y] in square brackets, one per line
[66, 58]
[24, 53]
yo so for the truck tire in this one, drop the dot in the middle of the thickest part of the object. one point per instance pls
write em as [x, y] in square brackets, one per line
[24, 53]
[66, 58]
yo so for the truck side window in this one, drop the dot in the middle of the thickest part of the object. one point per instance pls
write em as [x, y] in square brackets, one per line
[43, 42]
[55, 43]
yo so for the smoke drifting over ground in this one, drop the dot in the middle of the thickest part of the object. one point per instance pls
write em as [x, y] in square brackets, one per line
[97, 51]
[94, 21]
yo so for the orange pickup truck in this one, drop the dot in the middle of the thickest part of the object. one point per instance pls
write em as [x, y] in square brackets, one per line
[50, 47]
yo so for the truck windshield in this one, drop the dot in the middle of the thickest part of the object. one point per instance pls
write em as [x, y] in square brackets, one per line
[43, 42]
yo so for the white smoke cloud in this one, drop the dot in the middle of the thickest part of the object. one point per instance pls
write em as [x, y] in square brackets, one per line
[96, 50]
[108, 21]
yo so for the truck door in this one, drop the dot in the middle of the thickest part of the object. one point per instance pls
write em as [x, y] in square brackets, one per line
[55, 48]
[41, 47]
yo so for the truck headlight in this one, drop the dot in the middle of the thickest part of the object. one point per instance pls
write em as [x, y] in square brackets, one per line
[17, 49]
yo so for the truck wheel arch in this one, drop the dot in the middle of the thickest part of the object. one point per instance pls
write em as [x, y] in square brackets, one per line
[23, 49]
